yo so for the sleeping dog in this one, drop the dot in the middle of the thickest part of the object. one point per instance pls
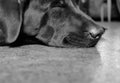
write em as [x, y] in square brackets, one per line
[58, 23]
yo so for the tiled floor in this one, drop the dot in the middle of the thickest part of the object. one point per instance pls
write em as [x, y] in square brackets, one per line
[39, 64]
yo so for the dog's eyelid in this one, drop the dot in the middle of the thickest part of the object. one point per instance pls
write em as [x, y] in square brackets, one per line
[58, 3]
[61, 1]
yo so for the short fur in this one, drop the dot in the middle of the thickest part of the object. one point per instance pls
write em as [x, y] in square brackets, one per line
[58, 23]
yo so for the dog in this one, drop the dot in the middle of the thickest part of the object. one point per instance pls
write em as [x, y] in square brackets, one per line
[58, 23]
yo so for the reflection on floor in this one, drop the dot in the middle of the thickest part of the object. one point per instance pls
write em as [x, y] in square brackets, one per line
[109, 49]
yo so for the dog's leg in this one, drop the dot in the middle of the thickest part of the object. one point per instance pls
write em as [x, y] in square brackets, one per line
[10, 20]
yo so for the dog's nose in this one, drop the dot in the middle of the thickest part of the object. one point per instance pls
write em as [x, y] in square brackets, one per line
[96, 32]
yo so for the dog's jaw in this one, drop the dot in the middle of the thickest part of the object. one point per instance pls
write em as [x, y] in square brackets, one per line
[79, 42]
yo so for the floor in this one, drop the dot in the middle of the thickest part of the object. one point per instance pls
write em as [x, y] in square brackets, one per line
[40, 64]
[109, 50]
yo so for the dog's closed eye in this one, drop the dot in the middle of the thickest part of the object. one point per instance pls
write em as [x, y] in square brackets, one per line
[58, 3]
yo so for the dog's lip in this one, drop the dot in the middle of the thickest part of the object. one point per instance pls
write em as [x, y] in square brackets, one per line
[78, 44]
[76, 41]
[72, 43]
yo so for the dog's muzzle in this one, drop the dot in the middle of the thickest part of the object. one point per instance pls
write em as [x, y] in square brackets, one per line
[90, 38]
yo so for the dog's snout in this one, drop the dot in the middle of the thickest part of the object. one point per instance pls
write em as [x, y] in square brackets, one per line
[96, 32]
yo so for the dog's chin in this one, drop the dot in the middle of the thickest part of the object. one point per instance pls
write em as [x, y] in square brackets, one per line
[80, 42]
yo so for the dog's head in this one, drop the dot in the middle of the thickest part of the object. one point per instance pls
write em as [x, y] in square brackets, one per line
[61, 23]
[58, 23]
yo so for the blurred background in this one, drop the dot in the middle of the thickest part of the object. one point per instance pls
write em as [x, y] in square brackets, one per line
[101, 10]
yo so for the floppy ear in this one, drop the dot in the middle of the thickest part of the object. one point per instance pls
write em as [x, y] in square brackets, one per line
[33, 16]
[10, 20]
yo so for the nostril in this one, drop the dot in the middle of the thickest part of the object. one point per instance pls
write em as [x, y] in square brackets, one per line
[95, 36]
[103, 30]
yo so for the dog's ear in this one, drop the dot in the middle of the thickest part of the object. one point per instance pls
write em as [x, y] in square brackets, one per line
[34, 14]
[10, 20]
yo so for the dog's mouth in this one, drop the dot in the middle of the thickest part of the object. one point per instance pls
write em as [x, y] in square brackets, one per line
[75, 40]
